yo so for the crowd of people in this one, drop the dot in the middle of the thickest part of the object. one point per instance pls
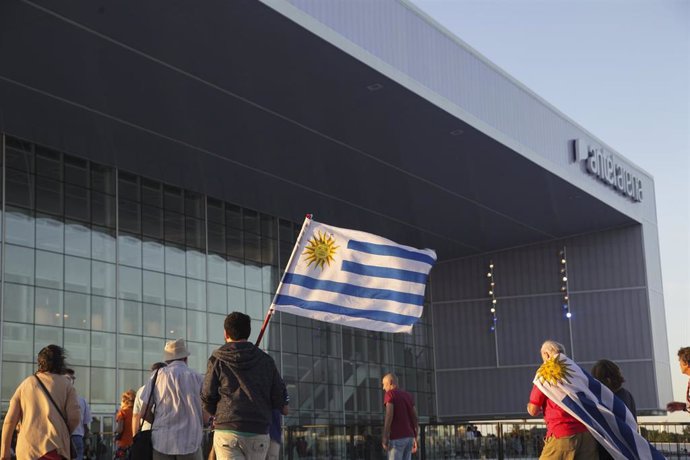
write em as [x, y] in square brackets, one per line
[241, 398]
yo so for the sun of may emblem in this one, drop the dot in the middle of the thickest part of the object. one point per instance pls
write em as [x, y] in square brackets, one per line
[320, 250]
[553, 371]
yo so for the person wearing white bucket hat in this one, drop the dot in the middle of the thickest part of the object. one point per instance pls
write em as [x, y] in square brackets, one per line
[177, 427]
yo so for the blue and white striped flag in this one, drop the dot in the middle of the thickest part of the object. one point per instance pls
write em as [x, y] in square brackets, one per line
[593, 404]
[355, 279]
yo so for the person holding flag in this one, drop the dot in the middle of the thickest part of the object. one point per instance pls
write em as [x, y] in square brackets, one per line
[565, 437]
[572, 401]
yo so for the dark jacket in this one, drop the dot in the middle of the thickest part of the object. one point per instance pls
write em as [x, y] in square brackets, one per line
[241, 388]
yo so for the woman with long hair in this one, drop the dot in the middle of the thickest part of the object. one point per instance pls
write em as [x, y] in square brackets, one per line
[46, 425]
[124, 433]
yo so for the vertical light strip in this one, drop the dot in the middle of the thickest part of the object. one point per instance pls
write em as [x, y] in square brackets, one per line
[565, 293]
[493, 306]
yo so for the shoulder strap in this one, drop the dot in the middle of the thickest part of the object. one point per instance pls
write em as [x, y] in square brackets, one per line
[45, 390]
[148, 404]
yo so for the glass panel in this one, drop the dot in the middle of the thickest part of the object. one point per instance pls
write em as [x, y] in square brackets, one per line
[217, 269]
[76, 171]
[104, 244]
[130, 283]
[198, 359]
[153, 255]
[48, 307]
[233, 242]
[19, 188]
[19, 264]
[103, 178]
[175, 294]
[269, 278]
[194, 204]
[196, 326]
[252, 247]
[174, 227]
[77, 274]
[130, 216]
[19, 227]
[129, 378]
[103, 209]
[174, 200]
[103, 278]
[151, 192]
[49, 269]
[252, 275]
[129, 250]
[103, 314]
[152, 221]
[215, 331]
[103, 349]
[128, 186]
[12, 375]
[254, 306]
[77, 240]
[49, 195]
[78, 346]
[129, 317]
[153, 351]
[129, 352]
[236, 299]
[77, 314]
[18, 303]
[196, 294]
[216, 237]
[17, 341]
[154, 287]
[215, 210]
[250, 220]
[19, 155]
[235, 273]
[153, 320]
[103, 385]
[217, 298]
[77, 203]
[48, 163]
[45, 335]
[174, 260]
[195, 233]
[174, 323]
[49, 233]
[196, 264]
[269, 226]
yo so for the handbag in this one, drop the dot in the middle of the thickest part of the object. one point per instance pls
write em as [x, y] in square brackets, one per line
[72, 446]
[142, 446]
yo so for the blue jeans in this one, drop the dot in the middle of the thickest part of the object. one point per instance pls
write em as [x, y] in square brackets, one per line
[79, 444]
[400, 449]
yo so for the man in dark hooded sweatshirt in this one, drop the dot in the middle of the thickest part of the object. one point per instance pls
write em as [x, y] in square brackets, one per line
[241, 388]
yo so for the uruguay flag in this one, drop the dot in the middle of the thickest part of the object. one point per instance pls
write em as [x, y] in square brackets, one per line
[355, 279]
[593, 404]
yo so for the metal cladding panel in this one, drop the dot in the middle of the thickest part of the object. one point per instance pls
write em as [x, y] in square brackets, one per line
[462, 338]
[611, 324]
[609, 301]
[484, 393]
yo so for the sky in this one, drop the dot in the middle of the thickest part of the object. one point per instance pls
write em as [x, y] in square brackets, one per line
[620, 69]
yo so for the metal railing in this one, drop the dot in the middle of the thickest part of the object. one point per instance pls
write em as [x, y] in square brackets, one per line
[469, 440]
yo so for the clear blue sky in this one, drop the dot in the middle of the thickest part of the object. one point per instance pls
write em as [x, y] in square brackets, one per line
[621, 69]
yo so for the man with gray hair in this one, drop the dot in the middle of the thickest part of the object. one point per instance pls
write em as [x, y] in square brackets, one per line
[400, 426]
[566, 437]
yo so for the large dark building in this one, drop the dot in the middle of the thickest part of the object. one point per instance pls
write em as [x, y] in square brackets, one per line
[158, 159]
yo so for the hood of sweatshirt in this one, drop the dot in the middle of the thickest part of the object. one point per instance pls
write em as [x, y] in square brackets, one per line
[239, 355]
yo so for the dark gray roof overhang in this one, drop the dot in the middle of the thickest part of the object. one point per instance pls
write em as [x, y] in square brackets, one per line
[232, 99]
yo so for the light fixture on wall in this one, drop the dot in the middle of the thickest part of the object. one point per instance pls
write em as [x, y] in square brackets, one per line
[565, 294]
[492, 296]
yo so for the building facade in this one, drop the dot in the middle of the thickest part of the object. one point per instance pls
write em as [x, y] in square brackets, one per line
[155, 177]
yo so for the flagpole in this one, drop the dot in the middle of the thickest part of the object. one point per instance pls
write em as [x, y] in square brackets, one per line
[271, 310]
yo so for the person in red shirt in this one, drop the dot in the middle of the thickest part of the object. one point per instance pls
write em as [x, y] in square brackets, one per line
[566, 437]
[684, 362]
[400, 428]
